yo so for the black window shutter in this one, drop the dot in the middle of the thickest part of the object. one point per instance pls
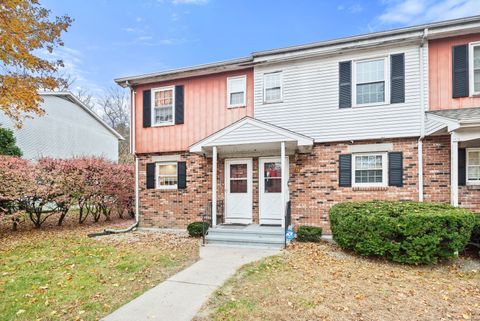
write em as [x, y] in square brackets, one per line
[395, 169]
[150, 175]
[462, 167]
[397, 78]
[460, 71]
[182, 175]
[147, 108]
[179, 104]
[345, 170]
[345, 84]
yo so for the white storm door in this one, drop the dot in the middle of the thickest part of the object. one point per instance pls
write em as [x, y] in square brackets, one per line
[238, 191]
[270, 189]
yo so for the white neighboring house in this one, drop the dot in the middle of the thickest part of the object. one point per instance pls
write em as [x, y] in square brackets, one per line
[67, 129]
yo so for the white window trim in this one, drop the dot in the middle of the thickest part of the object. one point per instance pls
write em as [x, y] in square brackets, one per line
[157, 174]
[470, 182]
[230, 105]
[386, 71]
[154, 90]
[265, 101]
[384, 182]
[470, 68]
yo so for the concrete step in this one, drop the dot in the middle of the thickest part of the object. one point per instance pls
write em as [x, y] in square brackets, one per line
[269, 232]
[271, 241]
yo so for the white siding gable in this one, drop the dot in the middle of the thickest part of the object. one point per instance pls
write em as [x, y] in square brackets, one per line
[310, 99]
[66, 130]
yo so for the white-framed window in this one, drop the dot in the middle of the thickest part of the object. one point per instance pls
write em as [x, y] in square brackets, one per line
[272, 87]
[163, 106]
[473, 166]
[474, 63]
[370, 169]
[167, 177]
[236, 91]
[370, 82]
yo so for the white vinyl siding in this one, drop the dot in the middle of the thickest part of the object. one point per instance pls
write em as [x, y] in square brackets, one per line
[236, 91]
[473, 166]
[474, 64]
[272, 87]
[369, 169]
[167, 175]
[163, 106]
[310, 99]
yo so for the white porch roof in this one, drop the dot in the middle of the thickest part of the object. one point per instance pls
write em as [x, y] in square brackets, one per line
[255, 137]
[463, 124]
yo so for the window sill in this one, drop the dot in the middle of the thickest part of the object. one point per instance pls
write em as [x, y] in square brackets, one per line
[236, 106]
[272, 102]
[163, 125]
[370, 188]
[371, 105]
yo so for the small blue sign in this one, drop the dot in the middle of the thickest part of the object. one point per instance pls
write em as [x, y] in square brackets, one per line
[289, 234]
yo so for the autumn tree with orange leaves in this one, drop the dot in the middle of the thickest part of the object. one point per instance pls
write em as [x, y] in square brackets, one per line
[27, 32]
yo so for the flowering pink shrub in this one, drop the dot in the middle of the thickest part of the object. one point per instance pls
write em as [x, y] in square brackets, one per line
[48, 186]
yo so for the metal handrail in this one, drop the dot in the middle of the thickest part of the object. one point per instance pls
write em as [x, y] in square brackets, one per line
[207, 217]
[288, 219]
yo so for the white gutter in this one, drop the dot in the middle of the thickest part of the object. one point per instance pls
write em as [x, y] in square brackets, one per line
[422, 116]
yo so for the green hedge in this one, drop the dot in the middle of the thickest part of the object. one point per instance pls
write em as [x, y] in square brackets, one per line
[309, 233]
[195, 229]
[405, 232]
[476, 230]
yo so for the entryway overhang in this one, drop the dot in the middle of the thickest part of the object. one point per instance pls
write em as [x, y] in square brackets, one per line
[252, 137]
[463, 125]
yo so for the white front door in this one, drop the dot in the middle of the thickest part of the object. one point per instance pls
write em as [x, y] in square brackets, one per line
[270, 189]
[238, 191]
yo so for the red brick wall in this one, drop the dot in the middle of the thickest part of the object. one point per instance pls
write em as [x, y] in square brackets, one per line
[436, 151]
[313, 184]
[314, 181]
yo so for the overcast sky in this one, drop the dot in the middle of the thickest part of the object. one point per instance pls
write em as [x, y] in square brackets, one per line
[114, 38]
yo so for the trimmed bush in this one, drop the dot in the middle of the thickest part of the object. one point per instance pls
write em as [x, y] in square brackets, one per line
[309, 233]
[195, 229]
[404, 232]
[476, 231]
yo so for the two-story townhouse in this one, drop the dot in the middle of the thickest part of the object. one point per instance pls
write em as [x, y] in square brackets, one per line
[292, 130]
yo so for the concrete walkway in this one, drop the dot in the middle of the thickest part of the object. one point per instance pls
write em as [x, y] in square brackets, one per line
[182, 295]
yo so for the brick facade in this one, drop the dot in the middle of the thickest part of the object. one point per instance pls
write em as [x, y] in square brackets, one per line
[313, 184]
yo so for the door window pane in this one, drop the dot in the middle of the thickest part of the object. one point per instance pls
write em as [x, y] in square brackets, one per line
[238, 178]
[273, 177]
[238, 171]
[238, 186]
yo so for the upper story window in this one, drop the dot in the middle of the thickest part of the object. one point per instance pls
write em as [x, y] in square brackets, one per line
[167, 175]
[163, 103]
[370, 169]
[370, 82]
[236, 91]
[473, 165]
[475, 68]
[272, 87]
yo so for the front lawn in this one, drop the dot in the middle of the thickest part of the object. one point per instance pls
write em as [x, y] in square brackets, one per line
[321, 282]
[61, 274]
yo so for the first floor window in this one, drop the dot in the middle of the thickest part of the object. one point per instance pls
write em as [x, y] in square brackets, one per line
[369, 169]
[167, 175]
[272, 86]
[236, 89]
[163, 106]
[473, 165]
[370, 81]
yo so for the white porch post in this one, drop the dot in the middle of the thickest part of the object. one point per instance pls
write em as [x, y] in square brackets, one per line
[453, 169]
[284, 180]
[214, 186]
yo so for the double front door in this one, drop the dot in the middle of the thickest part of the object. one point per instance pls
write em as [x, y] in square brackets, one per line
[239, 190]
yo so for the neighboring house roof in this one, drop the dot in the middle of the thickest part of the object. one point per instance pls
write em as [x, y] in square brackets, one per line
[71, 97]
[415, 33]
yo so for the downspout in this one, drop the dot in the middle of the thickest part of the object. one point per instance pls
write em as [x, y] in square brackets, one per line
[132, 146]
[422, 116]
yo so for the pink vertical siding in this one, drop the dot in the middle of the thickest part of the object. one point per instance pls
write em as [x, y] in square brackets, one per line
[440, 73]
[205, 112]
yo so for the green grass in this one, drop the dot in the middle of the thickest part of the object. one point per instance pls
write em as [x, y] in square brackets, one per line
[52, 276]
